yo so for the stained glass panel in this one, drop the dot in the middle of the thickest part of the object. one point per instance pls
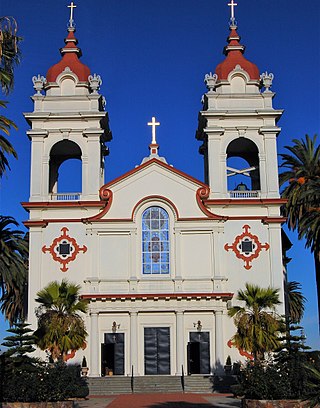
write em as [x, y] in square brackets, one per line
[155, 241]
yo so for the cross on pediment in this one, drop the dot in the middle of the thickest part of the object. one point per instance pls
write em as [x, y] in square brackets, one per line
[153, 124]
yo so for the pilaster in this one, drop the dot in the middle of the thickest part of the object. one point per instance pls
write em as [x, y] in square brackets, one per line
[219, 341]
[134, 342]
[180, 346]
[94, 344]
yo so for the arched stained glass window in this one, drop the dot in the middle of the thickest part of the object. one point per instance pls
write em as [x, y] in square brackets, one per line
[155, 241]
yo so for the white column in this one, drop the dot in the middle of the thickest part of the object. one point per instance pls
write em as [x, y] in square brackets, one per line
[38, 191]
[180, 346]
[91, 175]
[94, 345]
[271, 163]
[134, 342]
[219, 342]
[216, 164]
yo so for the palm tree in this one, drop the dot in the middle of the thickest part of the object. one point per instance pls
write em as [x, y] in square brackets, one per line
[295, 301]
[6, 147]
[9, 52]
[9, 58]
[257, 324]
[303, 194]
[60, 326]
[13, 269]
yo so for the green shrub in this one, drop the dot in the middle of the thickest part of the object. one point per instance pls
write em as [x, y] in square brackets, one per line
[258, 382]
[56, 382]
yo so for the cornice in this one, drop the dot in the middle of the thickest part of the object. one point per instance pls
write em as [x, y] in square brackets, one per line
[244, 201]
[156, 296]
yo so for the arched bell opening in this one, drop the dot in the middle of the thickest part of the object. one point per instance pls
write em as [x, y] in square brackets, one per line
[243, 174]
[65, 171]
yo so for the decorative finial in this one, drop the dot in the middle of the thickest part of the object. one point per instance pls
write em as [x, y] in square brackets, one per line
[95, 82]
[153, 123]
[38, 83]
[71, 21]
[266, 79]
[232, 5]
[211, 80]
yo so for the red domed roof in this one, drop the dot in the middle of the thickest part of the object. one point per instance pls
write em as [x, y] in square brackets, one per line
[70, 58]
[234, 52]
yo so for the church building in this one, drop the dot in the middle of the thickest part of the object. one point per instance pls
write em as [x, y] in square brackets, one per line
[159, 255]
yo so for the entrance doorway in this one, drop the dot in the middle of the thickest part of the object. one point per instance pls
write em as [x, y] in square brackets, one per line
[112, 354]
[157, 351]
[199, 353]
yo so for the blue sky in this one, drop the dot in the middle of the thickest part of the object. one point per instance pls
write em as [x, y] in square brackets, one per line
[152, 56]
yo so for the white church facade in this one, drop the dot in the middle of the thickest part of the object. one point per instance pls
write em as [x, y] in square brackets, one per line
[159, 255]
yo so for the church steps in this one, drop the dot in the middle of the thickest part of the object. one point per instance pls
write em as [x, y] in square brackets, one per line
[160, 384]
[109, 385]
[198, 384]
[157, 383]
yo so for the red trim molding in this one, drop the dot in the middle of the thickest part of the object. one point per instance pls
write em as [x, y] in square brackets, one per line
[41, 223]
[155, 197]
[201, 195]
[58, 204]
[155, 296]
[274, 220]
[241, 201]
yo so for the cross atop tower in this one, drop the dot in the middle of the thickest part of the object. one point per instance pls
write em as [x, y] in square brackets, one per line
[232, 5]
[71, 7]
[153, 123]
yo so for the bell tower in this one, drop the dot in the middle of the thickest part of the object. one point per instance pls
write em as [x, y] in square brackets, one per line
[238, 127]
[68, 122]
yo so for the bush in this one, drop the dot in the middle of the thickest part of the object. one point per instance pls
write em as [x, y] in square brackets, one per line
[258, 382]
[56, 382]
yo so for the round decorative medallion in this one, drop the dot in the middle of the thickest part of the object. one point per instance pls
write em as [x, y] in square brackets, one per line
[64, 249]
[246, 246]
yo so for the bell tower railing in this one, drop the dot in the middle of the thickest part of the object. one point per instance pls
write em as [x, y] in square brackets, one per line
[244, 194]
[65, 196]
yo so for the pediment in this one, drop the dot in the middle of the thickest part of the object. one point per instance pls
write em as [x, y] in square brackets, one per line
[154, 182]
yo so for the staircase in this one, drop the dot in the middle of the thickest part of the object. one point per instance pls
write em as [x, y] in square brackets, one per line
[109, 385]
[160, 384]
[157, 383]
[198, 384]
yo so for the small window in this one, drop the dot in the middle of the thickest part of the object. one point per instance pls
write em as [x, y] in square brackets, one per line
[155, 241]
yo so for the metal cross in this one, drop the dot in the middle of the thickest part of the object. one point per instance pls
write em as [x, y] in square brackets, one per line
[153, 123]
[232, 5]
[71, 7]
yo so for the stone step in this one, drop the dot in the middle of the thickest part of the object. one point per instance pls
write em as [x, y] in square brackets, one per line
[109, 385]
[198, 384]
[157, 383]
[160, 384]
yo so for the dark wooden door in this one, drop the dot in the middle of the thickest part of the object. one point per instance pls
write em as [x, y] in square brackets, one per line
[112, 353]
[157, 350]
[199, 353]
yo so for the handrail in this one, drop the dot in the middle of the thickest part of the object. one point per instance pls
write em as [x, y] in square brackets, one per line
[182, 378]
[132, 390]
